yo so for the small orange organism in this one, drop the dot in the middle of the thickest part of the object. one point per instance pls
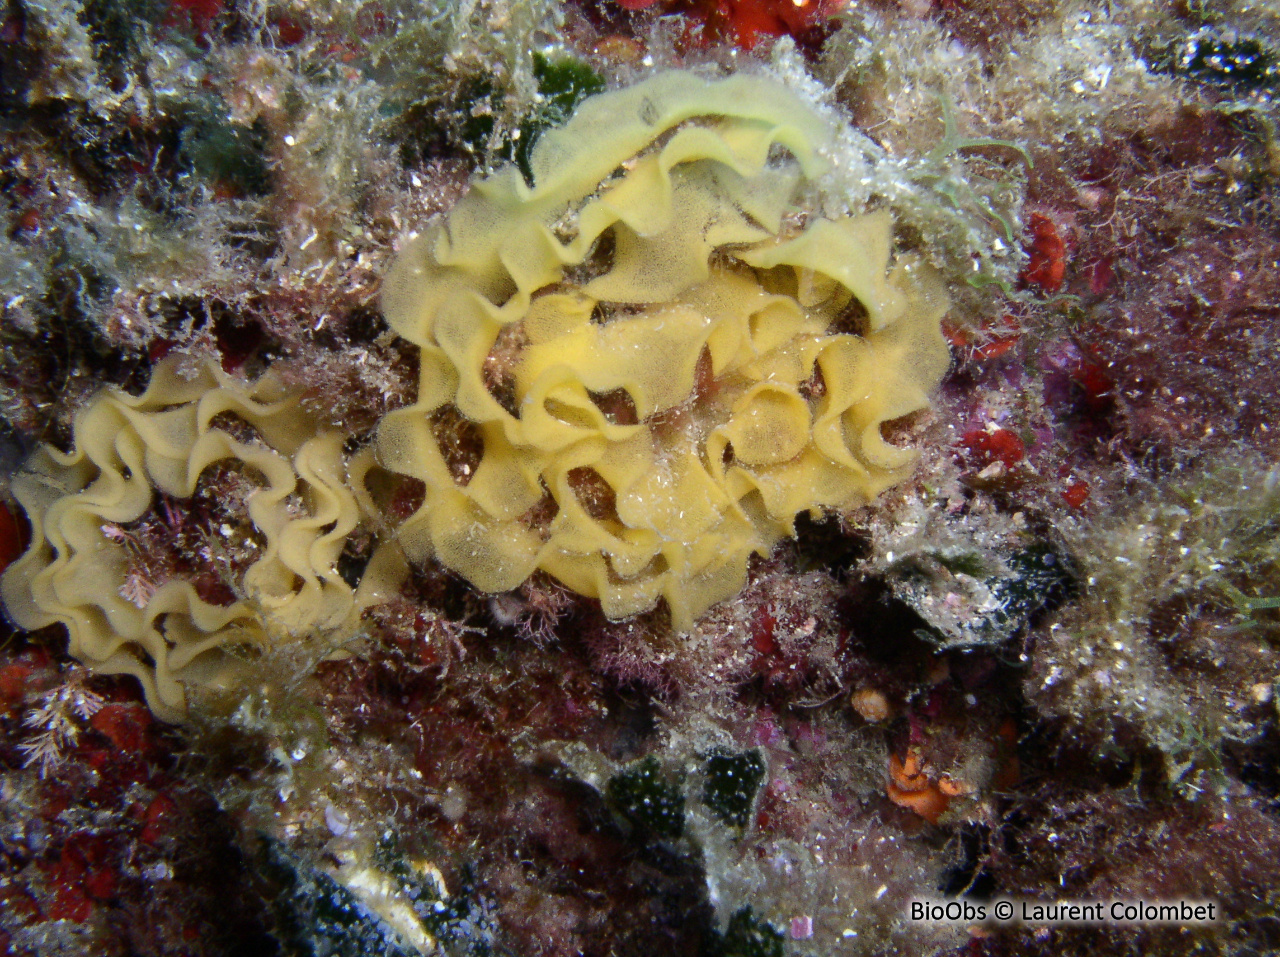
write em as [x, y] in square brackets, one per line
[910, 787]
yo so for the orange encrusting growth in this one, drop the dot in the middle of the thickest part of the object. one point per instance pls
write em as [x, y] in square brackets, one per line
[910, 787]
[1046, 266]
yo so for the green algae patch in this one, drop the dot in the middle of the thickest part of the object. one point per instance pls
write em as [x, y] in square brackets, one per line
[732, 780]
[646, 797]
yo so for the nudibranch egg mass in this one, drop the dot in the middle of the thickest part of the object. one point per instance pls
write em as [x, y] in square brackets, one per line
[189, 626]
[655, 353]
[634, 374]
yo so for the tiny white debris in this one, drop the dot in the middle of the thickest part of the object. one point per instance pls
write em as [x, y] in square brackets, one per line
[339, 821]
[158, 872]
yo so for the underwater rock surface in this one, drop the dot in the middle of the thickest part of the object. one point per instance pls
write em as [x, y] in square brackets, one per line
[497, 478]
